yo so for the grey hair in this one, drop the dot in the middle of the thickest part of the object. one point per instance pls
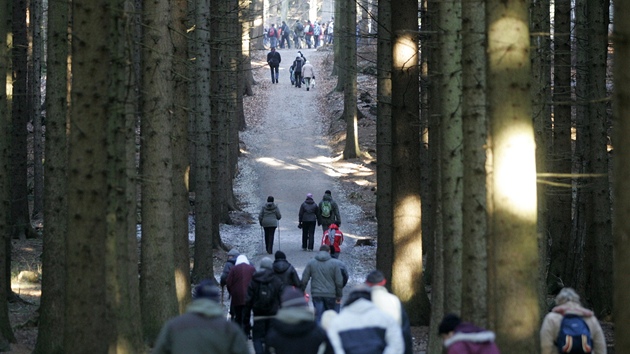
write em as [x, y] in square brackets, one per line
[567, 294]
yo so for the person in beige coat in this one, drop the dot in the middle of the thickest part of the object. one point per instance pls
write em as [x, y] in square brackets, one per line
[308, 74]
[568, 302]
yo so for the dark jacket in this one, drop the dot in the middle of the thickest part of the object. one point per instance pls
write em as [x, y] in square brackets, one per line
[229, 264]
[238, 280]
[274, 58]
[269, 215]
[263, 276]
[334, 217]
[308, 210]
[294, 331]
[286, 273]
[203, 326]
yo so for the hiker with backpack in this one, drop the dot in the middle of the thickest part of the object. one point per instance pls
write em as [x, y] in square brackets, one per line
[328, 211]
[284, 37]
[298, 63]
[571, 328]
[333, 237]
[274, 59]
[308, 34]
[263, 298]
[285, 271]
[465, 338]
[273, 36]
[298, 33]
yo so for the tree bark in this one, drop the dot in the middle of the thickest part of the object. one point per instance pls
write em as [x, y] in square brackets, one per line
[351, 149]
[513, 218]
[35, 78]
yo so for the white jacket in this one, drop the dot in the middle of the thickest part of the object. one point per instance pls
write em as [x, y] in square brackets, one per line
[307, 70]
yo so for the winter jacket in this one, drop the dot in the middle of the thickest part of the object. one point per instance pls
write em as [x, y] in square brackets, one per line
[334, 217]
[238, 280]
[308, 210]
[337, 239]
[470, 339]
[324, 272]
[294, 330]
[361, 328]
[269, 215]
[229, 264]
[551, 327]
[202, 329]
[391, 305]
[263, 276]
[274, 58]
[307, 70]
[286, 273]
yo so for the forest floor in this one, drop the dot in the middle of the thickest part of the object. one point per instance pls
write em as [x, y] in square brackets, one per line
[270, 140]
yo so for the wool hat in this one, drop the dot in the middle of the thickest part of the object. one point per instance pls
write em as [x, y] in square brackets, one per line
[270, 199]
[309, 195]
[280, 255]
[448, 324]
[293, 297]
[328, 192]
[375, 277]
[266, 263]
[233, 253]
[206, 290]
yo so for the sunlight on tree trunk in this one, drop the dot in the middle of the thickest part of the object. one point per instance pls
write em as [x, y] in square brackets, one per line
[515, 247]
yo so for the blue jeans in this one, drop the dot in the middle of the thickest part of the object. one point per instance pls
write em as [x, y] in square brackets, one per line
[322, 304]
[259, 332]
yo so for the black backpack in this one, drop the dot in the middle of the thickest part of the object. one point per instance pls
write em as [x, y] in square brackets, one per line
[265, 297]
[299, 27]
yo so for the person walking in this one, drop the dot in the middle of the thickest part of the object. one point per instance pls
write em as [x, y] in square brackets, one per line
[202, 326]
[297, 70]
[298, 33]
[308, 34]
[268, 220]
[328, 211]
[274, 59]
[465, 338]
[333, 237]
[308, 73]
[326, 279]
[390, 304]
[285, 35]
[285, 271]
[568, 304]
[331, 31]
[317, 32]
[273, 35]
[263, 298]
[229, 264]
[294, 330]
[307, 218]
[362, 328]
[237, 283]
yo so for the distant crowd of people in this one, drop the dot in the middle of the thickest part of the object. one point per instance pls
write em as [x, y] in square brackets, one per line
[303, 34]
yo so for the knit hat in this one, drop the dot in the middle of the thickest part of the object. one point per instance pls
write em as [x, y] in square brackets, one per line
[328, 192]
[266, 263]
[309, 195]
[448, 324]
[375, 278]
[233, 253]
[280, 255]
[293, 297]
[206, 290]
[270, 199]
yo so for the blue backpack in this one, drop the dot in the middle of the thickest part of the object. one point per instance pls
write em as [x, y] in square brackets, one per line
[574, 335]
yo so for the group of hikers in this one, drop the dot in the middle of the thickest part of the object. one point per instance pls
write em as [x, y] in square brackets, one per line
[303, 34]
[300, 72]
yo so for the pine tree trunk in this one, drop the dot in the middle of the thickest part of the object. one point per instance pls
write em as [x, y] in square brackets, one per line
[514, 266]
[351, 149]
[35, 78]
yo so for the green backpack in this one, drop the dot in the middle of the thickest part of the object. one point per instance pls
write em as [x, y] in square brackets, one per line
[326, 209]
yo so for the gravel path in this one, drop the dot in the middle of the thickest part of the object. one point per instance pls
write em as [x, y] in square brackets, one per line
[287, 156]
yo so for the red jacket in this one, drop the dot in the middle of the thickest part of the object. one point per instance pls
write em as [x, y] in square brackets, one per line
[338, 237]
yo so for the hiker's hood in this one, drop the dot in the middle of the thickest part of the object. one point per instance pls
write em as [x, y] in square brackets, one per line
[572, 308]
[241, 259]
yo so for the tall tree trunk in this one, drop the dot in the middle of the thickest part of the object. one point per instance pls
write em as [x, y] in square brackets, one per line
[20, 112]
[406, 280]
[6, 331]
[247, 80]
[51, 320]
[621, 175]
[203, 139]
[157, 282]
[181, 163]
[513, 219]
[88, 246]
[451, 140]
[559, 196]
[35, 78]
[384, 136]
[541, 96]
[257, 30]
[474, 208]
[351, 149]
